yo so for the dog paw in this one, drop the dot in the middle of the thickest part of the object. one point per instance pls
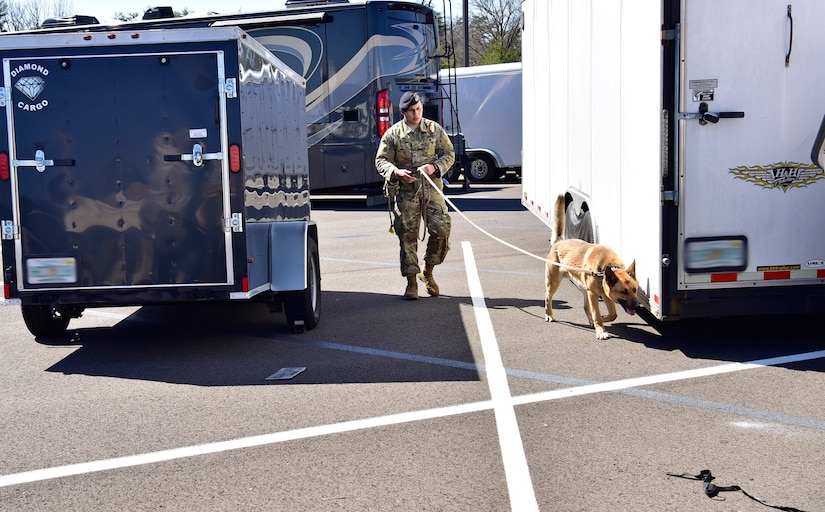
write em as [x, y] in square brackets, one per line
[548, 318]
[602, 334]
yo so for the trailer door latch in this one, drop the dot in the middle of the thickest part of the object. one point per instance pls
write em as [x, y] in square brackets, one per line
[706, 117]
[197, 157]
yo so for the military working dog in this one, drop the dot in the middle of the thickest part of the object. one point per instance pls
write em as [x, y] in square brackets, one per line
[596, 270]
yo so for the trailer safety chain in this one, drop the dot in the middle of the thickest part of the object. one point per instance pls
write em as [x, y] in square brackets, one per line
[712, 490]
[499, 240]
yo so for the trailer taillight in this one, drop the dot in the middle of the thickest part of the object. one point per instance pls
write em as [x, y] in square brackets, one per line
[4, 166]
[234, 158]
[382, 102]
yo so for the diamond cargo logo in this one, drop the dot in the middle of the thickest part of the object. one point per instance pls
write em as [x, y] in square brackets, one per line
[783, 175]
[31, 81]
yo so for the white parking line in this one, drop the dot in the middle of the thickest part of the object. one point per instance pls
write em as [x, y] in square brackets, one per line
[348, 426]
[519, 482]
[502, 403]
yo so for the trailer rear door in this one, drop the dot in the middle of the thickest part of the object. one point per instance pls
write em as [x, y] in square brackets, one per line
[119, 176]
[751, 103]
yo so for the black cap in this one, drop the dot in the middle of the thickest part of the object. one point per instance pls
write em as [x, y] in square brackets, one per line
[408, 99]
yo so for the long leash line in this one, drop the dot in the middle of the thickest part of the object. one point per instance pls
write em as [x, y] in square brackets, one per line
[504, 242]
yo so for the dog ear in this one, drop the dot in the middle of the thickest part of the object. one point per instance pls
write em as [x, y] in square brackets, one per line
[610, 277]
[632, 269]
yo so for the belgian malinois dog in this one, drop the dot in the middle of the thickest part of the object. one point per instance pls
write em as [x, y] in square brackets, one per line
[596, 270]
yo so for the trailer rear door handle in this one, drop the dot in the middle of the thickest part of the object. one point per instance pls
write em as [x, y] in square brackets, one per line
[197, 157]
[40, 163]
[818, 151]
[706, 117]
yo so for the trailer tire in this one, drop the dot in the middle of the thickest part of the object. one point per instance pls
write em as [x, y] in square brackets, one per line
[305, 305]
[44, 321]
[482, 169]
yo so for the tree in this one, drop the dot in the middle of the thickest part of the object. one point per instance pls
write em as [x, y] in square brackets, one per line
[495, 31]
[29, 14]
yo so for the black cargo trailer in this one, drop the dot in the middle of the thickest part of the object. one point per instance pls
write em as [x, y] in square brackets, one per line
[153, 166]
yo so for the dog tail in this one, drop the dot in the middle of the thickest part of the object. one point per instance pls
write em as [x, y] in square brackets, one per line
[559, 216]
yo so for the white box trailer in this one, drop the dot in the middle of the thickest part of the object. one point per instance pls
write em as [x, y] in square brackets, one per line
[681, 134]
[150, 167]
[486, 110]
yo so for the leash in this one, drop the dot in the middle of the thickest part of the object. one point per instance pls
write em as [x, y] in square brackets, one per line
[391, 201]
[712, 490]
[503, 242]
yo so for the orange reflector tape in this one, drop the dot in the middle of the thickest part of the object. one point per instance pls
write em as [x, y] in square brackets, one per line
[778, 274]
[727, 277]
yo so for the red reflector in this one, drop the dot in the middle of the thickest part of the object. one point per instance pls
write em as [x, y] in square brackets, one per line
[245, 284]
[112, 36]
[234, 158]
[728, 277]
[778, 274]
[820, 274]
[383, 108]
[4, 166]
[135, 36]
[6, 291]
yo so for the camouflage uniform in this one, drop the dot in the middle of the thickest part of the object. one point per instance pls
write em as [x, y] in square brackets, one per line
[405, 148]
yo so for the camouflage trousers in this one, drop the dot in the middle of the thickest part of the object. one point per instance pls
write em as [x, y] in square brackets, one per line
[409, 212]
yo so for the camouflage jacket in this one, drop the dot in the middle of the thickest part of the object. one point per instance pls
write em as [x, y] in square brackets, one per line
[403, 148]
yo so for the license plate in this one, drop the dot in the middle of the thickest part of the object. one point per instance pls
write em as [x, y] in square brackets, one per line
[51, 270]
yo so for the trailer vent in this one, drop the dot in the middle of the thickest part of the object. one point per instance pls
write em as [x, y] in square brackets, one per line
[158, 13]
[313, 3]
[69, 21]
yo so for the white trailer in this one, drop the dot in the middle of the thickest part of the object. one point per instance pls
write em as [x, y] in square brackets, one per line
[681, 133]
[486, 110]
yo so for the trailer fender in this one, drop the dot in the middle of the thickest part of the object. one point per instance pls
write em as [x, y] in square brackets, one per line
[498, 161]
[288, 258]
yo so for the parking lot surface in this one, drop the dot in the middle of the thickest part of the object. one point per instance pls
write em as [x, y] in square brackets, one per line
[468, 401]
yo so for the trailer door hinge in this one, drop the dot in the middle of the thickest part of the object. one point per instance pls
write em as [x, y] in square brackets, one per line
[9, 230]
[668, 195]
[234, 223]
[229, 87]
[5, 96]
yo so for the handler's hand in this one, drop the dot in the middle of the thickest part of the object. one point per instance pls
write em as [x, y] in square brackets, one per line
[405, 175]
[429, 169]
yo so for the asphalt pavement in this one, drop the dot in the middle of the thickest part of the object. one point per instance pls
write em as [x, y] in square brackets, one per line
[468, 401]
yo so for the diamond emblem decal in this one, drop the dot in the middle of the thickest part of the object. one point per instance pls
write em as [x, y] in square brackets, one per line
[31, 86]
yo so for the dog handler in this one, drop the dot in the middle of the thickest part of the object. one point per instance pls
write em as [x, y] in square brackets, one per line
[411, 146]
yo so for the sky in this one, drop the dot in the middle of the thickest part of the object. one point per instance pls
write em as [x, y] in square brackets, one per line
[104, 10]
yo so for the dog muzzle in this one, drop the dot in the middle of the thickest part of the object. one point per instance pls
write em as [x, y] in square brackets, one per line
[630, 310]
